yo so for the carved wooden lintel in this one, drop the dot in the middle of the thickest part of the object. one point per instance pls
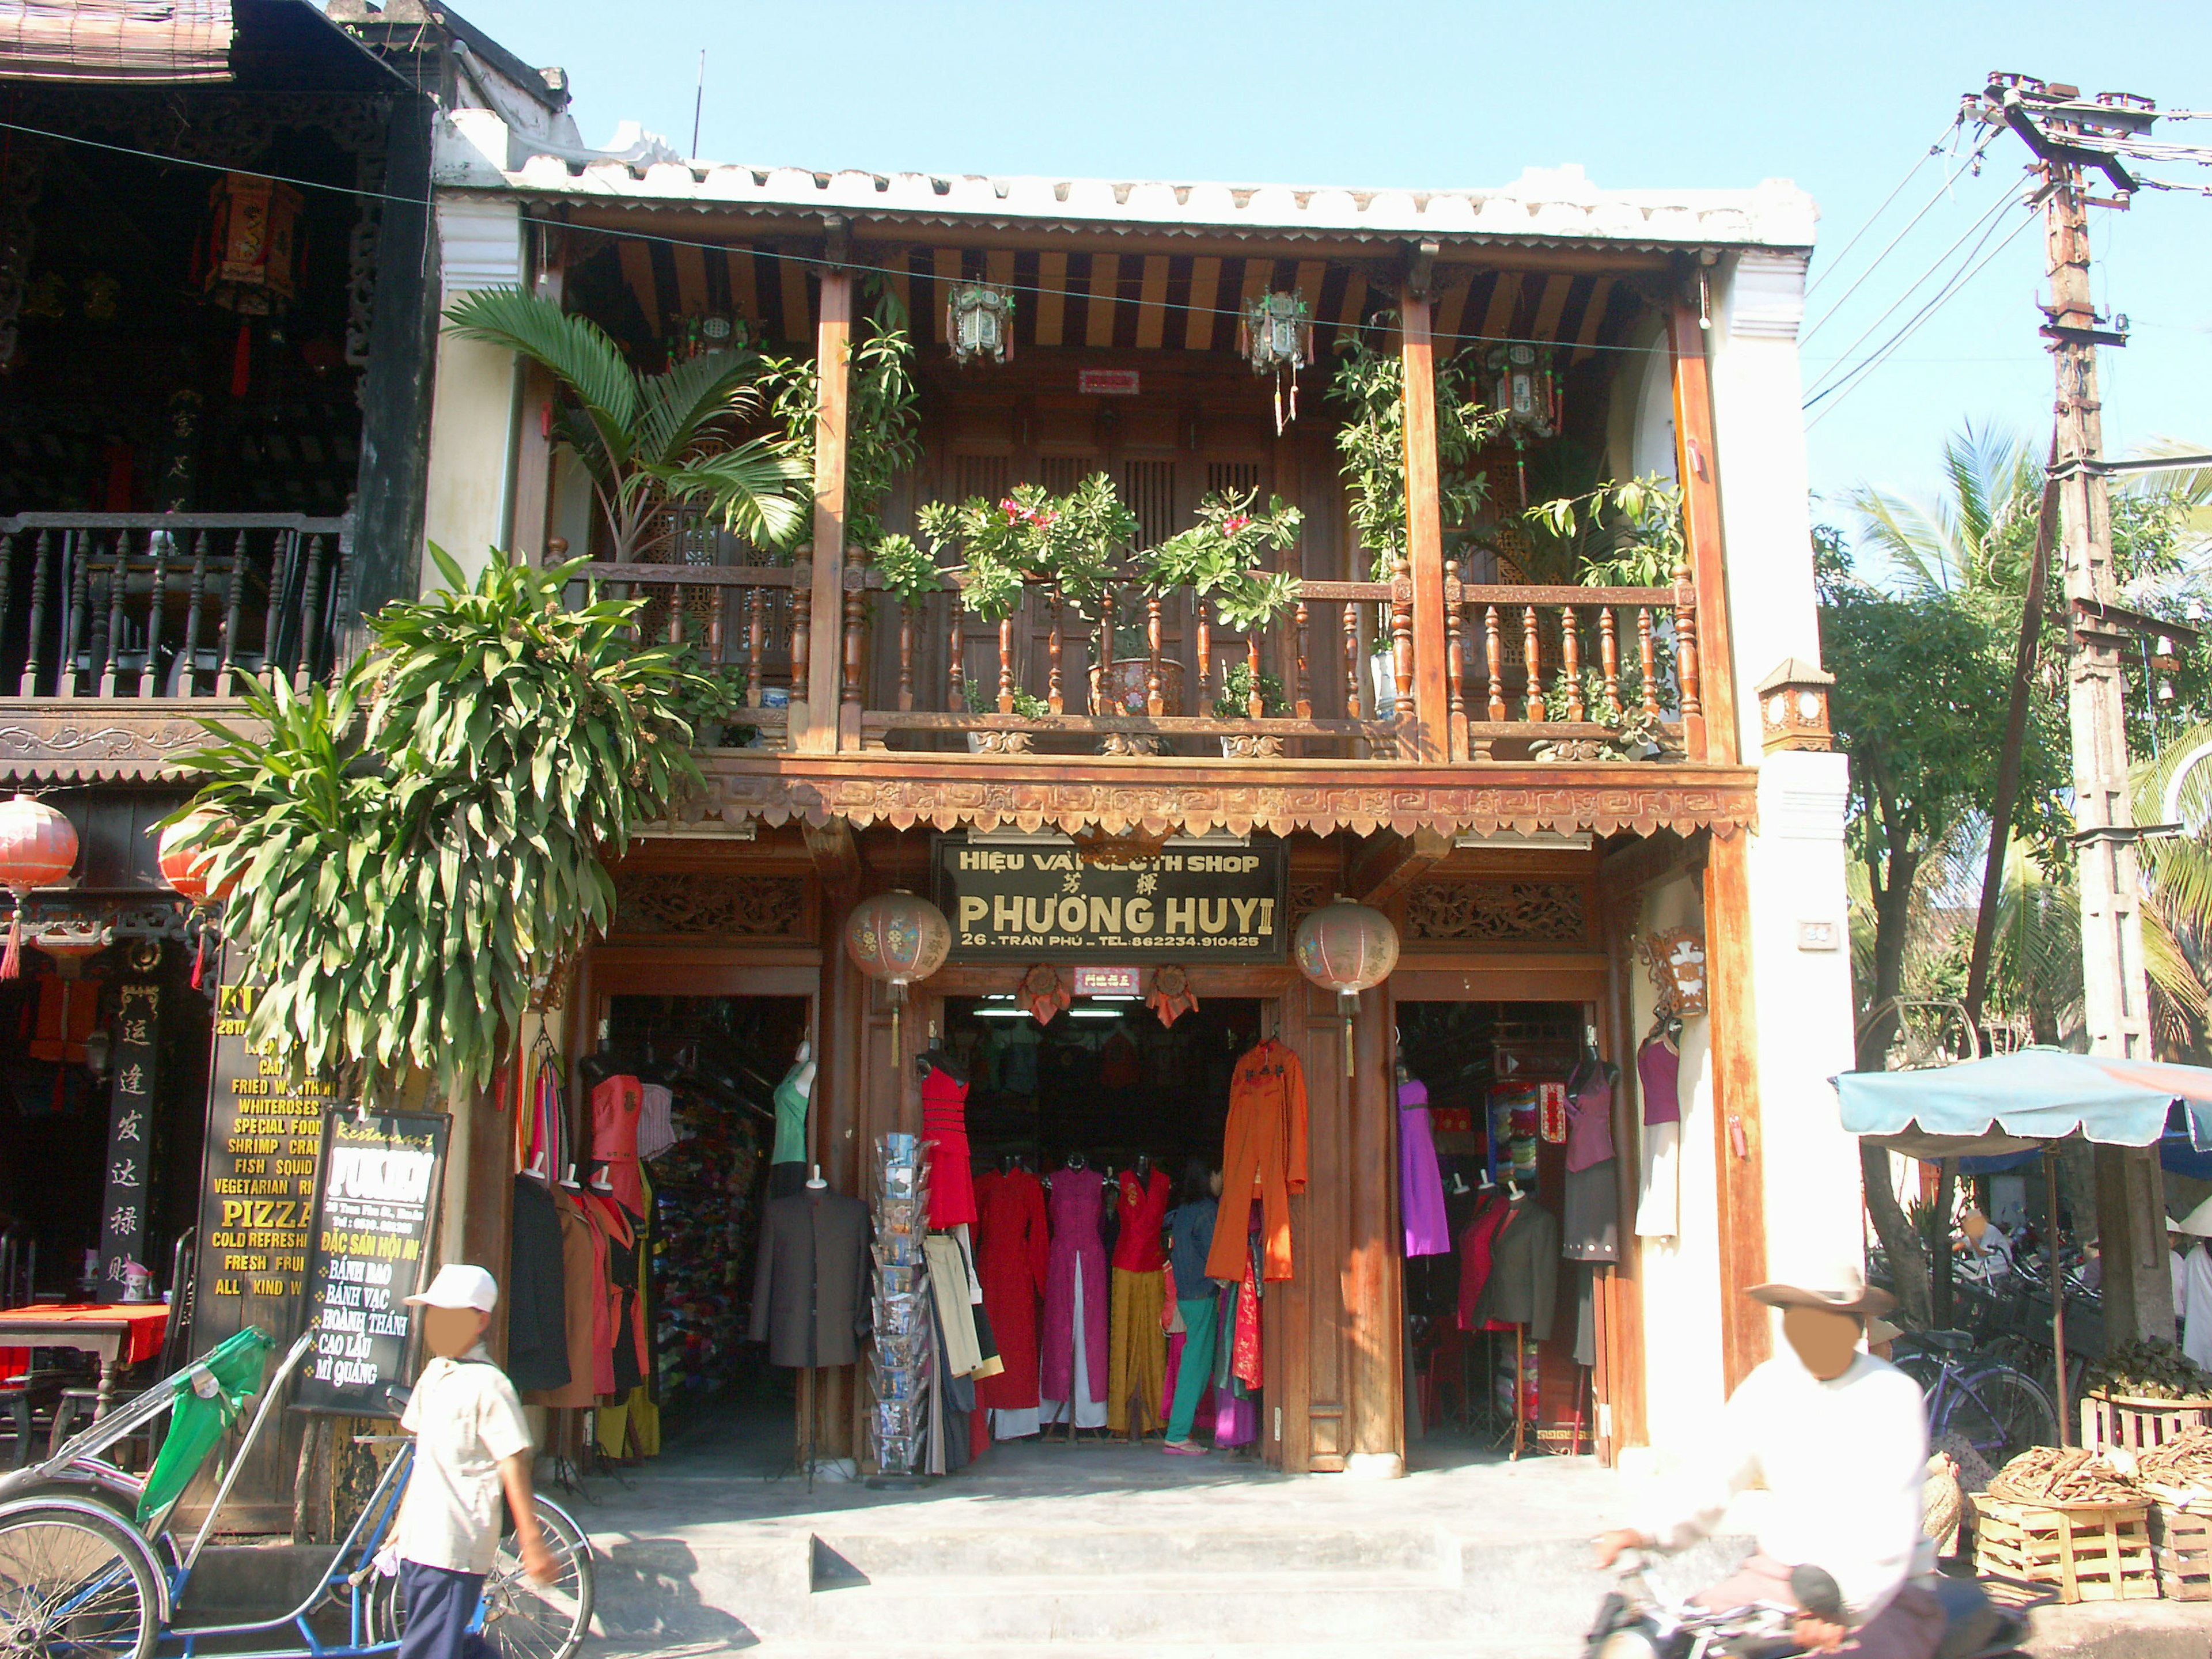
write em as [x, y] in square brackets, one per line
[82, 739]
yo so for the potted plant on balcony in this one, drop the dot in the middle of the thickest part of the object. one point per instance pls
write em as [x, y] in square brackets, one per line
[1030, 537]
[1235, 703]
[983, 701]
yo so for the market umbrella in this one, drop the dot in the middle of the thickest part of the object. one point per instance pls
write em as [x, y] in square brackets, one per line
[2008, 1102]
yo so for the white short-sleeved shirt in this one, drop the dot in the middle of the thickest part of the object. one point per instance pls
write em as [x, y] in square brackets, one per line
[466, 1420]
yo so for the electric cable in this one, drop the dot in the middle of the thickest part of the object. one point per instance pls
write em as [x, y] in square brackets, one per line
[1973, 156]
[1911, 173]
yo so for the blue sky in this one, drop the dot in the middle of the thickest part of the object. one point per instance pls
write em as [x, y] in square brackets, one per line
[1843, 99]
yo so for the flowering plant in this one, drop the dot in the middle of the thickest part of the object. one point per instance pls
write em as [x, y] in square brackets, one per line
[1029, 536]
[1220, 557]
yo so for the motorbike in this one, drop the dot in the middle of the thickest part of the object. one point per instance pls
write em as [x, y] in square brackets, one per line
[1635, 1621]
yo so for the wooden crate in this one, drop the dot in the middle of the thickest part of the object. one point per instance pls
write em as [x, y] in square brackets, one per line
[2137, 1423]
[2182, 1538]
[2088, 1552]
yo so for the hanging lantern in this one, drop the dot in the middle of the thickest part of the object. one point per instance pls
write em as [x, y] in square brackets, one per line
[38, 848]
[1525, 390]
[186, 869]
[1276, 337]
[1346, 948]
[897, 938]
[251, 245]
[979, 322]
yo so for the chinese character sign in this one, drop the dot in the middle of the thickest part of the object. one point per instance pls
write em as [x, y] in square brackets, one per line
[122, 1211]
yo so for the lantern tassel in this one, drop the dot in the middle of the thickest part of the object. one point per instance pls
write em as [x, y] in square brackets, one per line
[199, 960]
[11, 963]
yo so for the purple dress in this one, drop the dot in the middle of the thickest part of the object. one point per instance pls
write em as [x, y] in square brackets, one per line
[1421, 1185]
[1077, 1202]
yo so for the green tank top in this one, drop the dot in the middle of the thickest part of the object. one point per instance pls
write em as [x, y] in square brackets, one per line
[790, 1121]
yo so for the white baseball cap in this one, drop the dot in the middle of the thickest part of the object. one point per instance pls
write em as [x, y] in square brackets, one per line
[459, 1285]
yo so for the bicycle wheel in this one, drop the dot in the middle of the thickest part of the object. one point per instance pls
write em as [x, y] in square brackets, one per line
[2001, 1413]
[523, 1619]
[74, 1584]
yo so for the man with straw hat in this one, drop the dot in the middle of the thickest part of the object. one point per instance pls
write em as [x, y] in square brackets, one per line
[1839, 1441]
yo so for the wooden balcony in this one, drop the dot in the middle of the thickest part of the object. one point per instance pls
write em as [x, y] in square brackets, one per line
[118, 629]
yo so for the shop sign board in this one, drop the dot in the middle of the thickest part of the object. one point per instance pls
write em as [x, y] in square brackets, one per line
[1020, 902]
[124, 1208]
[375, 1211]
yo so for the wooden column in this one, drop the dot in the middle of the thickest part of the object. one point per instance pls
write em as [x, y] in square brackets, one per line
[488, 1220]
[838, 1091]
[1737, 1133]
[833, 337]
[1375, 1325]
[1696, 464]
[1424, 535]
[1622, 1289]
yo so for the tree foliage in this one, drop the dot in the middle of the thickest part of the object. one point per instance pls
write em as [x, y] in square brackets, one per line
[420, 844]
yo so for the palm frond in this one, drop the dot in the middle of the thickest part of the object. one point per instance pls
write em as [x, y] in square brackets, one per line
[678, 406]
[1916, 536]
[574, 350]
[757, 490]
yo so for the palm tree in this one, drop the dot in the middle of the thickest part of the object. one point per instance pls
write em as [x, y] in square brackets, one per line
[647, 440]
[1973, 539]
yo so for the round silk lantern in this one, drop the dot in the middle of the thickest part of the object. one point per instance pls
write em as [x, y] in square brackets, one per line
[186, 869]
[38, 848]
[1346, 948]
[897, 938]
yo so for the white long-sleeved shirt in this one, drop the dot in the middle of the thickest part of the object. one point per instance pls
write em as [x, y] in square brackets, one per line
[1842, 1460]
[2195, 1308]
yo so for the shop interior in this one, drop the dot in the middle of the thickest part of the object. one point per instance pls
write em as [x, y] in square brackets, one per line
[1518, 1109]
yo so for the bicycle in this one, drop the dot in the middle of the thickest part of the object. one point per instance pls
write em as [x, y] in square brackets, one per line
[89, 1569]
[1996, 1410]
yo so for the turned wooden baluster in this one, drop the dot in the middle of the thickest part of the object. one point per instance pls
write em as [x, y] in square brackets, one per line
[1053, 646]
[906, 656]
[188, 678]
[311, 605]
[1305, 700]
[1255, 704]
[1533, 654]
[717, 612]
[1570, 652]
[1609, 652]
[1006, 665]
[1454, 647]
[233, 595]
[856, 644]
[1493, 650]
[755, 643]
[1648, 654]
[1401, 634]
[119, 581]
[158, 544]
[1204, 662]
[1155, 702]
[1353, 656]
[7, 579]
[1686, 644]
[955, 671]
[675, 629]
[1102, 654]
[802, 634]
[42, 560]
[77, 619]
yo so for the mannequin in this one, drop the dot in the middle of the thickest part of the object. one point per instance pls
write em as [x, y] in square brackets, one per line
[794, 1098]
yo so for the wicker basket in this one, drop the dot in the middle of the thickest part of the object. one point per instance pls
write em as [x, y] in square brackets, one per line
[2182, 1537]
[2088, 1552]
[2138, 1423]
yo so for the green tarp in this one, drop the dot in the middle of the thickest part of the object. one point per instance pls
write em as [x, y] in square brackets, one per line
[210, 1394]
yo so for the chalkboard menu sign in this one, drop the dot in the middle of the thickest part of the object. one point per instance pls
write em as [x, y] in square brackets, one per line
[373, 1220]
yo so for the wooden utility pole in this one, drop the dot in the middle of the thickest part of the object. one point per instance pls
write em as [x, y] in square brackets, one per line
[2065, 132]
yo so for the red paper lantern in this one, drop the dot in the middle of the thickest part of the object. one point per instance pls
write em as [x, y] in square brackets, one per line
[1346, 948]
[897, 938]
[38, 848]
[186, 868]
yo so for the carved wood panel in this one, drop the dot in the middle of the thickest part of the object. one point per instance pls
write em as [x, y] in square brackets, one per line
[1498, 912]
[658, 903]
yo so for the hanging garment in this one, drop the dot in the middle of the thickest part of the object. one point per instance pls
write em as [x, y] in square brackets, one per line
[1138, 1356]
[810, 1283]
[1087, 1409]
[1659, 1065]
[616, 1105]
[1590, 1214]
[1589, 1122]
[1420, 1183]
[583, 1307]
[1264, 1156]
[792, 1100]
[625, 1289]
[1476, 1247]
[536, 1297]
[1586, 1316]
[944, 1129]
[1119, 1065]
[1013, 1258]
[656, 1121]
[1524, 1272]
[630, 1428]
[948, 1283]
[1245, 1358]
[1142, 1212]
[1078, 1197]
[549, 1156]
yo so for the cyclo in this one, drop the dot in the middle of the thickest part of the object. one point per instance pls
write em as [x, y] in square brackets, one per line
[89, 1569]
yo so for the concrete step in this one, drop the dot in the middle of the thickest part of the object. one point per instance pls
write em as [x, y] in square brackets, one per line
[843, 1557]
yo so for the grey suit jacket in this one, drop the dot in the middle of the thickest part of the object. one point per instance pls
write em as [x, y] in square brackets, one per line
[810, 1289]
[1523, 1287]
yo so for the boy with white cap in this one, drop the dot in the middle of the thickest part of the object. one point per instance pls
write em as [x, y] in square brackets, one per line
[471, 1441]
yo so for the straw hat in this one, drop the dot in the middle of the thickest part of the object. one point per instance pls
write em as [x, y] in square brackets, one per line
[2197, 1223]
[1840, 1289]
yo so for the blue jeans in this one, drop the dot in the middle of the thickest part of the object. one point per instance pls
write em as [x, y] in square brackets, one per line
[442, 1605]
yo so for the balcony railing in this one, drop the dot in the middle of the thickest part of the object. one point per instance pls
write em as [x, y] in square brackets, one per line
[168, 605]
[1555, 672]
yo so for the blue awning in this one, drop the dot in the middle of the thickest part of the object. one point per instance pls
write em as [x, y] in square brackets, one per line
[1986, 1108]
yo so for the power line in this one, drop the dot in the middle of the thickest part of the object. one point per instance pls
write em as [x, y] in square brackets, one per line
[1910, 173]
[1941, 190]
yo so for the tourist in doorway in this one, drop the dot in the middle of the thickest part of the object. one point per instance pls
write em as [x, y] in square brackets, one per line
[471, 1444]
[1190, 1237]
